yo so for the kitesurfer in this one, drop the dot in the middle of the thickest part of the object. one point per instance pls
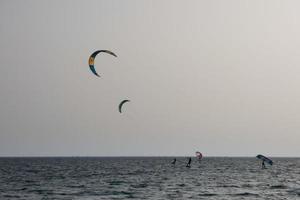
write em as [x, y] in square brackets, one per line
[174, 161]
[189, 162]
[264, 160]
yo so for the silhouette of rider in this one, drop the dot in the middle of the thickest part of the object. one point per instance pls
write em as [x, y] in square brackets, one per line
[174, 161]
[263, 166]
[189, 162]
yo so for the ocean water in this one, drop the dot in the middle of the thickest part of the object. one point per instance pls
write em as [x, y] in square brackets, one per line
[148, 178]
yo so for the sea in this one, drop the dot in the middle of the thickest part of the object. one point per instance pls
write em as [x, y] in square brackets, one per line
[148, 178]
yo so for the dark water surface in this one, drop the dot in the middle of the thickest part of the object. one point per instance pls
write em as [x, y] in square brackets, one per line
[148, 178]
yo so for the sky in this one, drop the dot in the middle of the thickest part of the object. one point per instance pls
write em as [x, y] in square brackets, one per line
[220, 77]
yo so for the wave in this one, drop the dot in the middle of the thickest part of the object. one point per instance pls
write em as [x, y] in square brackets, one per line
[141, 185]
[295, 191]
[245, 194]
[76, 186]
[116, 182]
[278, 187]
[207, 194]
[229, 186]
[11, 196]
[247, 185]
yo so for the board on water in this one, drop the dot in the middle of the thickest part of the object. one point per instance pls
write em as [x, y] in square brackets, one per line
[265, 159]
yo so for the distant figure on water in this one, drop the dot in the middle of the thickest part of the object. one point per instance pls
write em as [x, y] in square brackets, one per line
[263, 166]
[189, 162]
[174, 161]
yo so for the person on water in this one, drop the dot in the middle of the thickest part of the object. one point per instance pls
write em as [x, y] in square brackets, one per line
[174, 161]
[263, 166]
[189, 162]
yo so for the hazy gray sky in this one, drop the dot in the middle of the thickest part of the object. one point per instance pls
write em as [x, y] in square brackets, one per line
[221, 77]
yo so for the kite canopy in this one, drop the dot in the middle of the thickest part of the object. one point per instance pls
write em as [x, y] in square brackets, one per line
[92, 59]
[265, 159]
[199, 155]
[122, 103]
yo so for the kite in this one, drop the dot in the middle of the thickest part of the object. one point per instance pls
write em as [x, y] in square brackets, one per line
[122, 103]
[92, 59]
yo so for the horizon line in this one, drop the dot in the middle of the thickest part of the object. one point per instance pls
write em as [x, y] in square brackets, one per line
[165, 156]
